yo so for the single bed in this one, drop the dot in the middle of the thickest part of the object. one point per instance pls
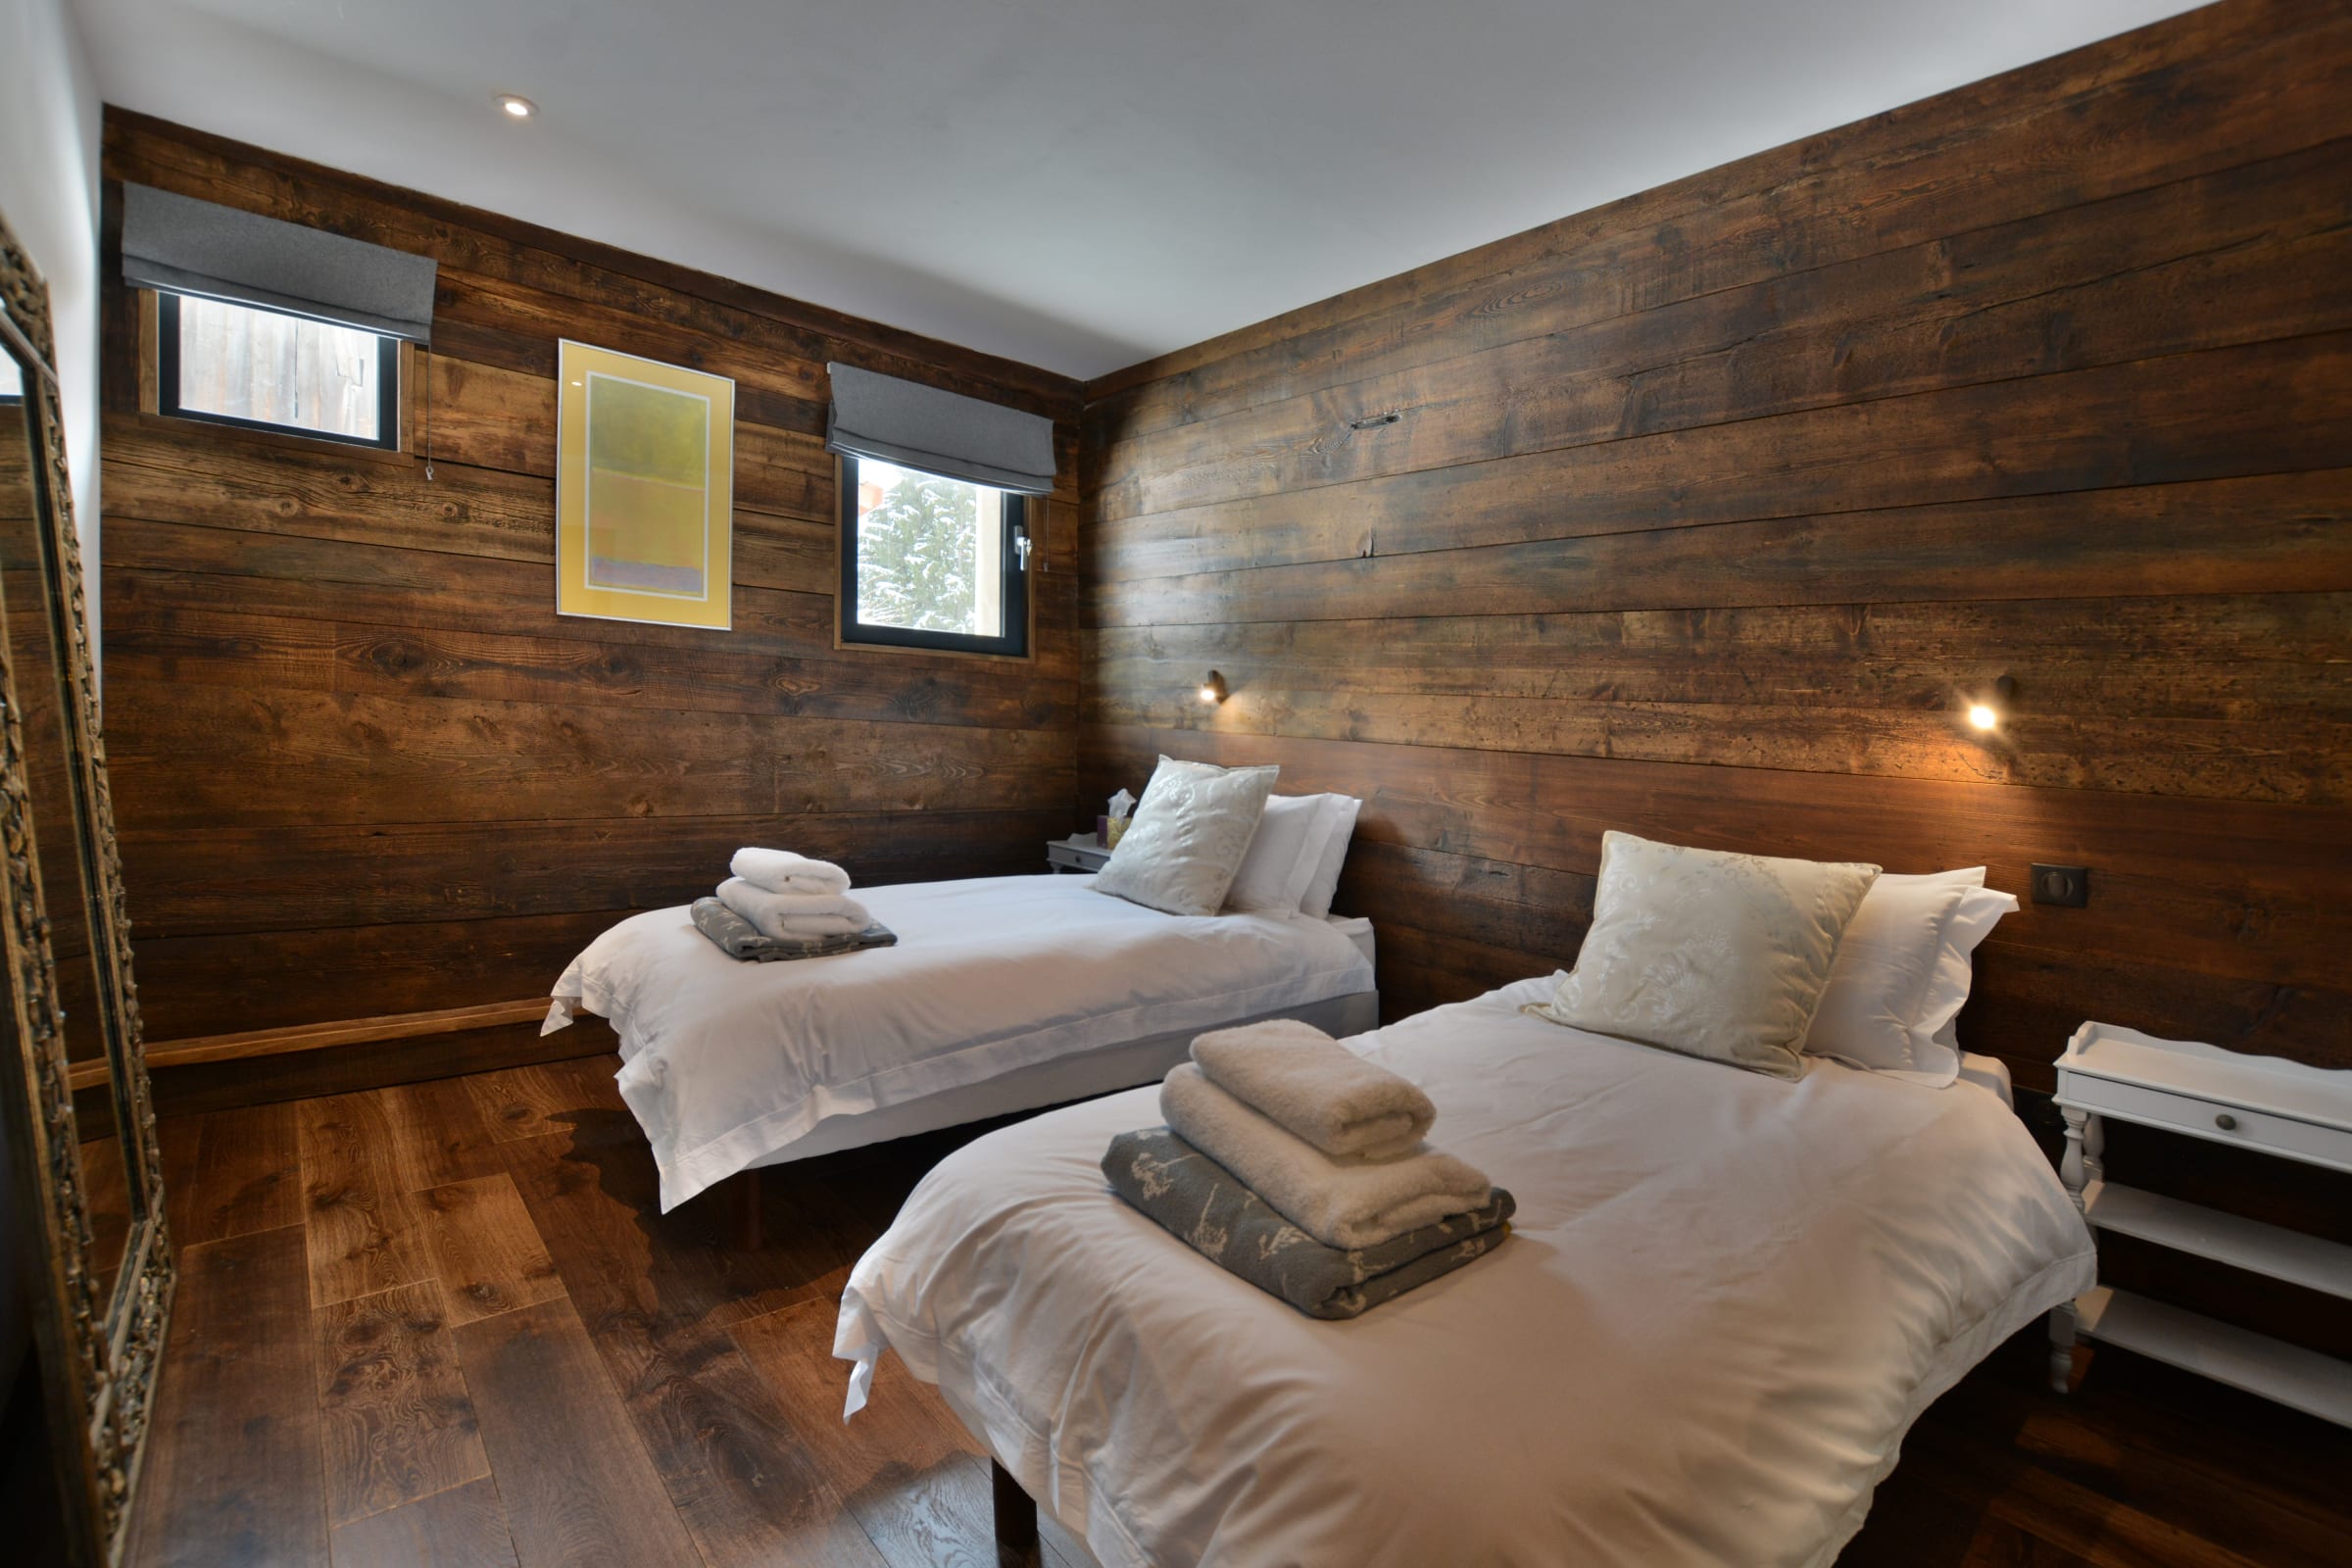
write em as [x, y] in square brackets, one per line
[1003, 994]
[1725, 1299]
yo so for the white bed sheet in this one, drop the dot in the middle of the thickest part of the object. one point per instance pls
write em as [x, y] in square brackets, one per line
[1725, 1298]
[726, 1064]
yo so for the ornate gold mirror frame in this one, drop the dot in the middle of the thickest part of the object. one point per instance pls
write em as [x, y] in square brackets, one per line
[98, 1326]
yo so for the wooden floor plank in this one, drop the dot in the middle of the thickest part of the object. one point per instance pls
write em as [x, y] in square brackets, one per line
[578, 1489]
[597, 1186]
[464, 1527]
[2137, 1440]
[246, 1177]
[232, 1473]
[533, 1102]
[655, 1293]
[441, 1134]
[1062, 1549]
[396, 1421]
[181, 1142]
[1999, 1543]
[905, 1467]
[679, 1402]
[362, 1228]
[484, 1247]
[2109, 1534]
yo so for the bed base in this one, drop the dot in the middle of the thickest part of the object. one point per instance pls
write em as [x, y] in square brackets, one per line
[1017, 1520]
[744, 1229]
[1039, 1087]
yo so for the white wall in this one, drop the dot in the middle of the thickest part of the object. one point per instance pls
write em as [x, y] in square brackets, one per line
[49, 192]
[49, 115]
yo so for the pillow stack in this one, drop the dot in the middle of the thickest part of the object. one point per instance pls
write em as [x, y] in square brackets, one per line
[1759, 961]
[1206, 839]
[1710, 954]
[1293, 866]
[1902, 974]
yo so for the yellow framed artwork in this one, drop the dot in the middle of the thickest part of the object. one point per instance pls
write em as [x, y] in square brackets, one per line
[645, 490]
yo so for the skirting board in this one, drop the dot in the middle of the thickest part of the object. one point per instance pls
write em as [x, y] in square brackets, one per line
[321, 1036]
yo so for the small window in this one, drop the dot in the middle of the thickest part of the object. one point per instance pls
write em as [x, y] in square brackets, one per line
[932, 563]
[267, 370]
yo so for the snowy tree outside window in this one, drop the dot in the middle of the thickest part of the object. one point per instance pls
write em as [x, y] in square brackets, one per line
[930, 552]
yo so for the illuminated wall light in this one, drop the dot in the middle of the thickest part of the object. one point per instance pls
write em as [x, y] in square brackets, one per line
[1212, 690]
[516, 106]
[1985, 713]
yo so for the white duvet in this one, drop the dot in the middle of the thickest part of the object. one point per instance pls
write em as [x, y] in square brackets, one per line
[1725, 1298]
[726, 1062]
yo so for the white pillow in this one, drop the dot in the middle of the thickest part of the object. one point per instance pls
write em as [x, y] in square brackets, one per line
[1869, 1014]
[1712, 955]
[1981, 909]
[1325, 884]
[1283, 856]
[1191, 830]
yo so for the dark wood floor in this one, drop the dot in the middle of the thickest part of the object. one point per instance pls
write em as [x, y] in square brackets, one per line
[445, 1324]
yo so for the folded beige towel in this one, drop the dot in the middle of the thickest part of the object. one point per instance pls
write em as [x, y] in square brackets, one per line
[1344, 1203]
[794, 914]
[782, 871]
[1317, 1088]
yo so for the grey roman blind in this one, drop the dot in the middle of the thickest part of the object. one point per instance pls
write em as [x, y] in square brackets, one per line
[939, 432]
[197, 247]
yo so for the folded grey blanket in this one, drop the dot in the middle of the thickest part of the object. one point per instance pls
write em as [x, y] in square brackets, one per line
[1202, 1205]
[738, 938]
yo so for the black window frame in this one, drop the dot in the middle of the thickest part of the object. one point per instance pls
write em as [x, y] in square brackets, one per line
[1014, 644]
[167, 381]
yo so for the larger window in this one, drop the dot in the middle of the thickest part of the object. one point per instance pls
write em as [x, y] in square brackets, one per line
[268, 371]
[932, 563]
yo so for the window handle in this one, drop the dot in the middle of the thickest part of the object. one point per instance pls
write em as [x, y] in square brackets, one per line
[1021, 545]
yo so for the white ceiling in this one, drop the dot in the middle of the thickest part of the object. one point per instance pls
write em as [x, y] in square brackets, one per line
[1076, 183]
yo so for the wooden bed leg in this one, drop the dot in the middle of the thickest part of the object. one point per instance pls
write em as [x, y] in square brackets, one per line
[742, 1202]
[1017, 1520]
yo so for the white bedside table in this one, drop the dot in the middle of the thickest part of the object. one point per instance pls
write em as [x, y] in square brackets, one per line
[2265, 1104]
[1077, 853]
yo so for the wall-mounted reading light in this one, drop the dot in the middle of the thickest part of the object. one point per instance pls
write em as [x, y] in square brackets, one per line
[517, 106]
[1212, 690]
[1987, 713]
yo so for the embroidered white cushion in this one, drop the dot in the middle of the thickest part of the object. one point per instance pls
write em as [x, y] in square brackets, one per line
[1191, 830]
[1872, 1009]
[1282, 858]
[1343, 811]
[1709, 954]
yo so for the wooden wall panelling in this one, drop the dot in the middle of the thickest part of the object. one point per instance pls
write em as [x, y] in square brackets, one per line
[1700, 515]
[2227, 258]
[2268, 408]
[362, 769]
[2207, 91]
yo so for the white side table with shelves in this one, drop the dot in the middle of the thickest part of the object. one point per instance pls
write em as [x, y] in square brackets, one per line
[2277, 1108]
[1077, 853]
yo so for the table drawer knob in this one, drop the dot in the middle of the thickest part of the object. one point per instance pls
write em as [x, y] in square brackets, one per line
[2225, 1122]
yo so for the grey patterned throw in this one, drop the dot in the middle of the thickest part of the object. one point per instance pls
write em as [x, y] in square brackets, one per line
[1201, 1203]
[738, 938]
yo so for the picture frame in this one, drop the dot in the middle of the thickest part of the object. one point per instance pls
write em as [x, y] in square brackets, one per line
[645, 465]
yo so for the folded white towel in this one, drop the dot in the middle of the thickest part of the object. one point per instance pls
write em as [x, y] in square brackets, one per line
[794, 914]
[782, 871]
[1344, 1203]
[1300, 1076]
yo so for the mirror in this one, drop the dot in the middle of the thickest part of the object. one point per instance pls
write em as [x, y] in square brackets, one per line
[110, 1186]
[94, 1264]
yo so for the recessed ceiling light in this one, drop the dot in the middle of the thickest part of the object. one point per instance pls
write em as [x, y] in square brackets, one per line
[516, 104]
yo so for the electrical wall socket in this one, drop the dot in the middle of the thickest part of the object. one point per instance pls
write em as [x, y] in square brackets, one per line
[2066, 886]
